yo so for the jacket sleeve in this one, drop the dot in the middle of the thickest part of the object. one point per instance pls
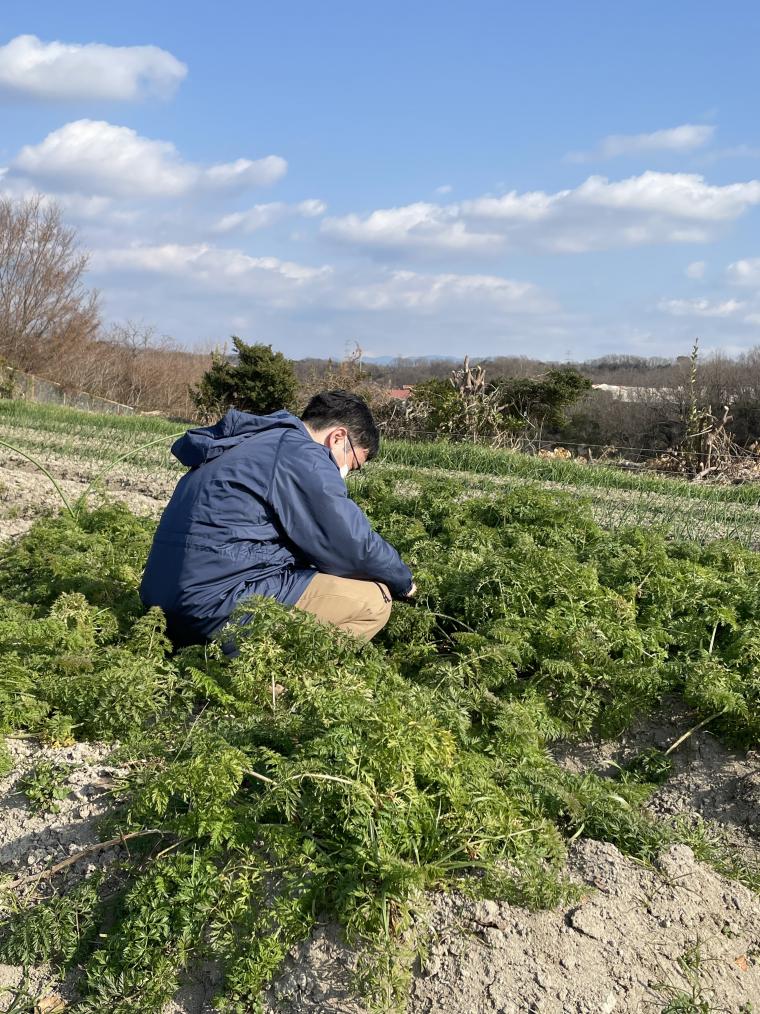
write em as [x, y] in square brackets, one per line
[312, 505]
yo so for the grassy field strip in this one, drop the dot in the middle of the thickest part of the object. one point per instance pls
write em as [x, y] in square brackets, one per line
[98, 454]
[50, 417]
[613, 508]
[90, 446]
[122, 430]
[76, 431]
[65, 437]
[491, 461]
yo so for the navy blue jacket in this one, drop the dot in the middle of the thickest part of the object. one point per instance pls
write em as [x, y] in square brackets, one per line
[261, 511]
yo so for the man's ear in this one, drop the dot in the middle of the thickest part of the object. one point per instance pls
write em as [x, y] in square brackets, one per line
[337, 436]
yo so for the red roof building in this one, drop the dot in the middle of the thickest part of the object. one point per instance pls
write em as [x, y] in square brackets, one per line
[401, 393]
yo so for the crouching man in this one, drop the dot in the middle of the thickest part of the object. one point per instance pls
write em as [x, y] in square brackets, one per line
[264, 511]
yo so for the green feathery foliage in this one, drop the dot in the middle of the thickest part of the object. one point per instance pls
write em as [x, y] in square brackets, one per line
[315, 775]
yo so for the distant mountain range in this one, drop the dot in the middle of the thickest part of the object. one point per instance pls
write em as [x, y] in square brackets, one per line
[387, 360]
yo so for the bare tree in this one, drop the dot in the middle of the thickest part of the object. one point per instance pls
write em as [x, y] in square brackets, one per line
[45, 308]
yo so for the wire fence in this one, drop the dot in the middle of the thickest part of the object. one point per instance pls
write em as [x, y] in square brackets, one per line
[664, 460]
[34, 388]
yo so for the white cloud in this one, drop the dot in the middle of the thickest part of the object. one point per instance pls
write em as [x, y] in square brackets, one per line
[745, 272]
[56, 71]
[737, 151]
[269, 280]
[696, 269]
[532, 206]
[95, 157]
[412, 292]
[202, 259]
[421, 226]
[444, 189]
[681, 195]
[276, 284]
[687, 137]
[701, 308]
[599, 214]
[78, 209]
[261, 216]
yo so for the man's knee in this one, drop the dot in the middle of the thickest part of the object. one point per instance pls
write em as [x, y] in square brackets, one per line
[361, 607]
[380, 606]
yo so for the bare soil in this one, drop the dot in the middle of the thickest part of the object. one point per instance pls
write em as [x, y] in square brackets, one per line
[31, 843]
[26, 494]
[640, 939]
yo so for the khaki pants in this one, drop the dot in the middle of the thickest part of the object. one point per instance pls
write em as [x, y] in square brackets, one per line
[360, 607]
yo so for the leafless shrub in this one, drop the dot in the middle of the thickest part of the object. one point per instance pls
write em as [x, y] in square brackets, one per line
[45, 308]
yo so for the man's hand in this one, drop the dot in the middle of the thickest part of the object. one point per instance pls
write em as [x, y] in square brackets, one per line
[412, 591]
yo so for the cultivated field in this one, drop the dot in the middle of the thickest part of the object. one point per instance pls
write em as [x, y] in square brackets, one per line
[78, 446]
[539, 791]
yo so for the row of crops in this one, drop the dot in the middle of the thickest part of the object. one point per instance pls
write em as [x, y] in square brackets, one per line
[133, 451]
[314, 775]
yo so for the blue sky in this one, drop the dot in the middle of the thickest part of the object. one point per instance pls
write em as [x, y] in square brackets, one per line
[546, 179]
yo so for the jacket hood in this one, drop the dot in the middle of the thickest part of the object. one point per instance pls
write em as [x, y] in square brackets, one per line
[208, 442]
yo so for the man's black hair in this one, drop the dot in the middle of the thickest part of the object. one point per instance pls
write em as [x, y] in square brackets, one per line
[342, 408]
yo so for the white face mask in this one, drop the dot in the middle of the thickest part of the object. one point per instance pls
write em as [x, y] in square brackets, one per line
[344, 469]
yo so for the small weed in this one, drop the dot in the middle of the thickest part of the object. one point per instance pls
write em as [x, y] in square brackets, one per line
[689, 996]
[684, 1002]
[54, 930]
[710, 845]
[20, 1000]
[6, 761]
[651, 766]
[45, 786]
